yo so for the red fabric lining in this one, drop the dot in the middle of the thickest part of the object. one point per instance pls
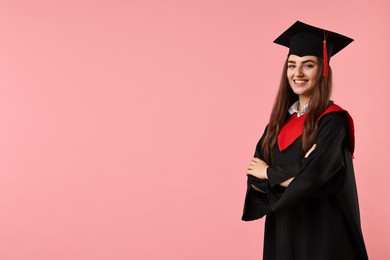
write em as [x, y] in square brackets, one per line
[293, 129]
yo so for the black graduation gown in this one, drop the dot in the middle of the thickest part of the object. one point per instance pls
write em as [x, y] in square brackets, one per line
[317, 216]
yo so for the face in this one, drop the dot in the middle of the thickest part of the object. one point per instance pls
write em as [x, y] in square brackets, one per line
[302, 74]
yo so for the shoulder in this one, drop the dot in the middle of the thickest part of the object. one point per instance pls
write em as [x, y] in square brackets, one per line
[336, 115]
[337, 122]
[334, 120]
[337, 119]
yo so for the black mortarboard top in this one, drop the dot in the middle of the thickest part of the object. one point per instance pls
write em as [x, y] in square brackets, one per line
[303, 39]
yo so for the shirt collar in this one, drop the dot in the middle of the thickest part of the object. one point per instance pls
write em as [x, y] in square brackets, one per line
[294, 109]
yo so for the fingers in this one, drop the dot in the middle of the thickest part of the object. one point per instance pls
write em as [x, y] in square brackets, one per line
[254, 164]
[311, 150]
[250, 172]
[254, 161]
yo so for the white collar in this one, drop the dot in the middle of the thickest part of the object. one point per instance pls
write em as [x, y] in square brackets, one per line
[294, 109]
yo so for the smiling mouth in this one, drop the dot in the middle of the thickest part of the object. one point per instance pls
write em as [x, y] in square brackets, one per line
[299, 81]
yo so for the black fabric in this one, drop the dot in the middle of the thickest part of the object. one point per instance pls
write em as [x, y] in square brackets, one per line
[303, 39]
[317, 216]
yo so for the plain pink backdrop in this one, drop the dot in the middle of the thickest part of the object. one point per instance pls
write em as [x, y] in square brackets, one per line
[126, 127]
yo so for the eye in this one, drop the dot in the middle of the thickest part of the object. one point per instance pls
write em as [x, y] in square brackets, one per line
[309, 66]
[291, 66]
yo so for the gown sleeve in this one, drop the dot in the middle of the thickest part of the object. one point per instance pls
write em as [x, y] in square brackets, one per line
[256, 203]
[320, 174]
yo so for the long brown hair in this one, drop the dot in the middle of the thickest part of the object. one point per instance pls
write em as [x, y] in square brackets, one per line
[284, 99]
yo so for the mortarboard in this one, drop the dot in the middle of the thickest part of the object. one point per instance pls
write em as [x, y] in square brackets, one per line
[303, 39]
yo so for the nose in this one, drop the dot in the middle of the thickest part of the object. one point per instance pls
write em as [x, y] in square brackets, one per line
[299, 71]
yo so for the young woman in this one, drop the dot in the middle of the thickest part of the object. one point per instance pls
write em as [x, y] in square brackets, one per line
[301, 176]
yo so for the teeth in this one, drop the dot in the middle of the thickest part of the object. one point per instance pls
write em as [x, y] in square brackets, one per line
[300, 81]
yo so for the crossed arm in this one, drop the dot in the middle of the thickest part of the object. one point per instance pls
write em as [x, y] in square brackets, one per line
[258, 168]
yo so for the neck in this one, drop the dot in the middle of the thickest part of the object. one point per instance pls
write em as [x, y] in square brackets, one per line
[302, 102]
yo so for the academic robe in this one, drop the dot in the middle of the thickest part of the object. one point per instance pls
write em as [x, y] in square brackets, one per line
[317, 216]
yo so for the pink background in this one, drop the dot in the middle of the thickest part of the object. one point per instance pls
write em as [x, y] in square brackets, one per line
[127, 126]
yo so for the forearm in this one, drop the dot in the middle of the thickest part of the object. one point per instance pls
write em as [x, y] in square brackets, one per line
[287, 182]
[257, 189]
[283, 176]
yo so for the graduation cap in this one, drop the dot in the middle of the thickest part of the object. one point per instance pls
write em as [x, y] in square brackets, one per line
[303, 39]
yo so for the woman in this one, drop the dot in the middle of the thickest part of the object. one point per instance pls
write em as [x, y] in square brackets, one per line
[301, 176]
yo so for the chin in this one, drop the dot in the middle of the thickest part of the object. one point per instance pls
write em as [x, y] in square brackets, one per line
[298, 92]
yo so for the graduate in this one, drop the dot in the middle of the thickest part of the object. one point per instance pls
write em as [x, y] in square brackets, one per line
[301, 177]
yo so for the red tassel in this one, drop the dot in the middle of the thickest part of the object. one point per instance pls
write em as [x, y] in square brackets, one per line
[325, 54]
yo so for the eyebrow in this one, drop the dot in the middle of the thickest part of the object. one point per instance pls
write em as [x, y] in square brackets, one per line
[305, 61]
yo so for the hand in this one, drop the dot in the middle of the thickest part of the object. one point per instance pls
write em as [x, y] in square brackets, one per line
[311, 150]
[257, 168]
